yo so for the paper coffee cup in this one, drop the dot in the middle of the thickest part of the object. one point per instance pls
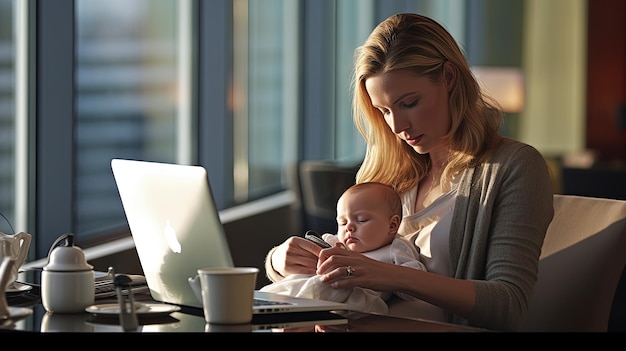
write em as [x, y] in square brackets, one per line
[227, 294]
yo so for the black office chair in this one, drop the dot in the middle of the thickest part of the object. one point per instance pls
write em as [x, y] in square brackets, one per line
[318, 184]
[603, 182]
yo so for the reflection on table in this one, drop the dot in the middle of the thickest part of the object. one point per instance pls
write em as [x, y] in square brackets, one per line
[181, 322]
[186, 321]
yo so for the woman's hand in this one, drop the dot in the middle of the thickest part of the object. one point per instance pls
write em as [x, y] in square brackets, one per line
[343, 268]
[295, 256]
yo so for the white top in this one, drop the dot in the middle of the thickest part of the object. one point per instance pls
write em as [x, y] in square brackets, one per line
[430, 228]
[430, 231]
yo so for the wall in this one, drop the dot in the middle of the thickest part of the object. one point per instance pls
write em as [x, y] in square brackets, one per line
[606, 80]
[574, 59]
[555, 62]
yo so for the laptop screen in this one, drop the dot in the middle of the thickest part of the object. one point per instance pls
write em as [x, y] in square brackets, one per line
[174, 223]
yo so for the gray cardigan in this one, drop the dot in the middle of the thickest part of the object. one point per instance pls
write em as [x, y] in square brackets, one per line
[501, 216]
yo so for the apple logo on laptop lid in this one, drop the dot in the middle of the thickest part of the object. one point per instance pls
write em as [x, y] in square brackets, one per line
[170, 237]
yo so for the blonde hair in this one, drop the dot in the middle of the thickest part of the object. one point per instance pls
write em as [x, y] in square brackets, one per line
[419, 44]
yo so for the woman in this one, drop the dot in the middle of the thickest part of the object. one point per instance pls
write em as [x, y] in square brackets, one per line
[477, 204]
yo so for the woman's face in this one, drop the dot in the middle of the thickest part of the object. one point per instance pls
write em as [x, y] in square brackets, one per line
[415, 108]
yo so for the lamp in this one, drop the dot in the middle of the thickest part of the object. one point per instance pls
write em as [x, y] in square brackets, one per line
[504, 84]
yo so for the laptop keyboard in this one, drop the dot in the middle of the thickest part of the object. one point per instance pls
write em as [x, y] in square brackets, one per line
[105, 288]
[261, 302]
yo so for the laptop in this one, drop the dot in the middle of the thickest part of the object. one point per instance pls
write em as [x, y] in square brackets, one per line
[176, 228]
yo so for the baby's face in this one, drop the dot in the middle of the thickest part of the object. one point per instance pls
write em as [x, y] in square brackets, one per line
[364, 220]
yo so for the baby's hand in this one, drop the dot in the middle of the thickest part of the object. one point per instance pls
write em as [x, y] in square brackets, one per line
[333, 240]
[340, 245]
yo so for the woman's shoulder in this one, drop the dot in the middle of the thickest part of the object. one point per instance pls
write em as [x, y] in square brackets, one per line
[515, 157]
[508, 147]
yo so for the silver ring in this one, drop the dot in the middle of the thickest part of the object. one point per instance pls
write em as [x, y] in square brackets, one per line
[349, 270]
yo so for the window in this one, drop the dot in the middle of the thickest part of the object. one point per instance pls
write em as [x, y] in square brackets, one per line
[265, 78]
[127, 95]
[8, 126]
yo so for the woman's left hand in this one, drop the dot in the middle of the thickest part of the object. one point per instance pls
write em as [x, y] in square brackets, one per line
[344, 268]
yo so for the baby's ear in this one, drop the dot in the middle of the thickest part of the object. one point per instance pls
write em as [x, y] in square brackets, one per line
[394, 224]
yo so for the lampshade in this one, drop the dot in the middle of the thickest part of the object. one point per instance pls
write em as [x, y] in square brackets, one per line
[504, 84]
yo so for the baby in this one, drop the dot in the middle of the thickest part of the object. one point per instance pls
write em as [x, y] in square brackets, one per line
[368, 217]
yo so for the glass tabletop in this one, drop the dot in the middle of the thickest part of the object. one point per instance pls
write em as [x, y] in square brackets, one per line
[159, 318]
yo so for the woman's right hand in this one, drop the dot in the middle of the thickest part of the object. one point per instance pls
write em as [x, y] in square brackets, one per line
[295, 255]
